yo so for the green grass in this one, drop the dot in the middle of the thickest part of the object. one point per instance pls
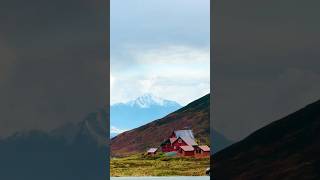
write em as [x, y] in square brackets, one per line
[142, 165]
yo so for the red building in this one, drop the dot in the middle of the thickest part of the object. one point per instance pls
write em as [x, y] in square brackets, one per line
[177, 139]
[183, 142]
[167, 145]
[186, 151]
[202, 151]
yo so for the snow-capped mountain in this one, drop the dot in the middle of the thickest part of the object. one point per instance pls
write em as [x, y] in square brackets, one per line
[144, 109]
[148, 100]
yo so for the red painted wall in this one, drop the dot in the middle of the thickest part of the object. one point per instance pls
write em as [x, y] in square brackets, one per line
[174, 147]
[205, 153]
[167, 148]
[188, 153]
[200, 153]
[177, 144]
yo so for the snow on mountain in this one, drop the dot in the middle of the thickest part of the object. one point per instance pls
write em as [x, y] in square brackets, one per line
[148, 100]
[139, 111]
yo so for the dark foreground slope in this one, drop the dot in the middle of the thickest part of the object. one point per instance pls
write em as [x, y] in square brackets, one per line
[220, 141]
[195, 116]
[74, 151]
[286, 149]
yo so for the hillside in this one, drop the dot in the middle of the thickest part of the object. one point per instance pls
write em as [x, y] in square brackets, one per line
[285, 149]
[195, 116]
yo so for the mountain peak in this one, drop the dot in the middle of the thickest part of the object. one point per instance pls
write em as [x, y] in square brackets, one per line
[148, 99]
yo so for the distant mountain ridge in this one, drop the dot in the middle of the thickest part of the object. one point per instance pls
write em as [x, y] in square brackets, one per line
[144, 109]
[93, 127]
[73, 151]
[148, 100]
[285, 149]
[195, 115]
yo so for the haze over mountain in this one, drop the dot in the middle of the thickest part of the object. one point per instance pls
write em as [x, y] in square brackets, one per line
[285, 149]
[195, 116]
[73, 151]
[144, 109]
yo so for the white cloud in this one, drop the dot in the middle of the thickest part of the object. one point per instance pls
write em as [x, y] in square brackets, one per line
[177, 73]
[111, 81]
[174, 55]
[116, 130]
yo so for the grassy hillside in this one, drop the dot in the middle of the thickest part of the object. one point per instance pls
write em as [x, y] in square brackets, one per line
[140, 165]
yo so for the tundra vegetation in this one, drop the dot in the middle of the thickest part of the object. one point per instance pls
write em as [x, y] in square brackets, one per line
[158, 165]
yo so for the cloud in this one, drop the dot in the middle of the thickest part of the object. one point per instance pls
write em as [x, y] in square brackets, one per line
[174, 72]
[116, 130]
[173, 55]
[111, 81]
[159, 21]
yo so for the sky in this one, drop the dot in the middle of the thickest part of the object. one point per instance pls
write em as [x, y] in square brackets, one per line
[266, 62]
[160, 47]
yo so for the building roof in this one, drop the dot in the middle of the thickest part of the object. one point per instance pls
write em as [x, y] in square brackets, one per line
[152, 150]
[172, 140]
[204, 148]
[189, 141]
[184, 133]
[187, 148]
